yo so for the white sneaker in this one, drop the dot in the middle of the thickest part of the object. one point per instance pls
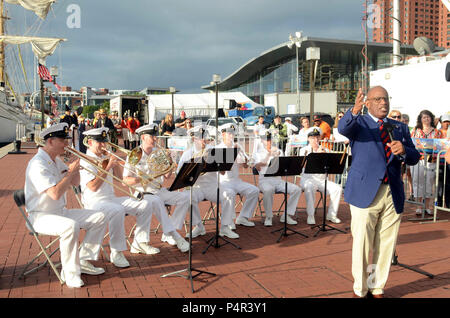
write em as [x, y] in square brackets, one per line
[226, 231]
[169, 239]
[88, 268]
[232, 226]
[311, 220]
[143, 248]
[198, 230]
[268, 221]
[73, 281]
[244, 221]
[289, 220]
[119, 260]
[182, 245]
[429, 212]
[333, 219]
[418, 211]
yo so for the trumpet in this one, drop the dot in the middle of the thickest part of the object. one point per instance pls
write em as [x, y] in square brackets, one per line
[100, 165]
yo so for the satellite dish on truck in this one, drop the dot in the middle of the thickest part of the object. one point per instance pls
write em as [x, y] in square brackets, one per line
[424, 45]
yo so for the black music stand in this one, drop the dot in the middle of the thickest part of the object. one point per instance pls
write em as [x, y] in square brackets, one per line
[187, 177]
[219, 160]
[395, 262]
[284, 167]
[325, 163]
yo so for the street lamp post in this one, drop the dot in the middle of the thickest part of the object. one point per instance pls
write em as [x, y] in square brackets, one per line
[172, 91]
[313, 55]
[297, 41]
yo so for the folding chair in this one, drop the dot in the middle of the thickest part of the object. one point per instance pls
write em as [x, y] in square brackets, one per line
[19, 198]
[210, 214]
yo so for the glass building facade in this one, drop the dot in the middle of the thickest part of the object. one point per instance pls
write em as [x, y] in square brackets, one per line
[339, 68]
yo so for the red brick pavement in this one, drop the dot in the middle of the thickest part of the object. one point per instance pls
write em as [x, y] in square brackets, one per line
[317, 267]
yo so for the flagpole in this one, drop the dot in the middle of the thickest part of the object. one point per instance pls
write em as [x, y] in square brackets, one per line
[42, 102]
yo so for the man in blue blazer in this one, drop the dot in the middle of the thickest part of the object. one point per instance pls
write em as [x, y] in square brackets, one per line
[374, 188]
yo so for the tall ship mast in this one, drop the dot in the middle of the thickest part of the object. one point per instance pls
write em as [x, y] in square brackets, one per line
[11, 112]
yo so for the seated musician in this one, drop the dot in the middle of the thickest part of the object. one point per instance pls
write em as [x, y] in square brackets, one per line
[262, 155]
[47, 179]
[100, 194]
[153, 188]
[311, 182]
[206, 187]
[230, 179]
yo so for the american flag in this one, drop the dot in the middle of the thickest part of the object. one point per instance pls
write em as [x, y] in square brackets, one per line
[44, 73]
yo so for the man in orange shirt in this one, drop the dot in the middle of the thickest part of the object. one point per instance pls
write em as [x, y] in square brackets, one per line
[132, 125]
[326, 129]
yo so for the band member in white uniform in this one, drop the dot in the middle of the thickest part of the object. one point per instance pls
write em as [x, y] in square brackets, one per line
[154, 187]
[47, 179]
[311, 182]
[206, 186]
[96, 193]
[262, 154]
[230, 179]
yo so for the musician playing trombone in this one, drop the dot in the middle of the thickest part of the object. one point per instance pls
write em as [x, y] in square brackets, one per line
[98, 194]
[230, 179]
[47, 179]
[311, 182]
[153, 188]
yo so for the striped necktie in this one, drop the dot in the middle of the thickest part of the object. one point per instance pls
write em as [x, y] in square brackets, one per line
[387, 150]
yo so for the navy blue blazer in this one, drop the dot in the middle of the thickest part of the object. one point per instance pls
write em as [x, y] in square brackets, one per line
[369, 164]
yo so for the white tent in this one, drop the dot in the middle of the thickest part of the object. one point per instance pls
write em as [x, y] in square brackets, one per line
[193, 104]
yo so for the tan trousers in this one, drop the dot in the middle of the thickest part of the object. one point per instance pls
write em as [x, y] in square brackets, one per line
[374, 229]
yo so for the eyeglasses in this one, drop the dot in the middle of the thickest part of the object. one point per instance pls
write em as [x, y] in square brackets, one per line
[379, 99]
[398, 117]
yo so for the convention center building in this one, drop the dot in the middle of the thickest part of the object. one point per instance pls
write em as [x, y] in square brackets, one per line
[338, 69]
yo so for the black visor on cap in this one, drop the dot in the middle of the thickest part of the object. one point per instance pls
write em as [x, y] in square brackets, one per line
[103, 137]
[153, 131]
[315, 132]
[59, 134]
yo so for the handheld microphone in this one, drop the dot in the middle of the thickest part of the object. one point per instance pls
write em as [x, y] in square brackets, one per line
[389, 128]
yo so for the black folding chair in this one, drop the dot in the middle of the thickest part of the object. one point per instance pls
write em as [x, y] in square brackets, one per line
[19, 198]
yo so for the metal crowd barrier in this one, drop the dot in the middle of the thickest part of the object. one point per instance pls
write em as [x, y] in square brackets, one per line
[442, 176]
[429, 181]
[178, 144]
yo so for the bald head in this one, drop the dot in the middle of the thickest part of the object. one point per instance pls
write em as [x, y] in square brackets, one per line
[377, 102]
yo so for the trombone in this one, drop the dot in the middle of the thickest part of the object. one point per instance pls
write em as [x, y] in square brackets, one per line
[100, 165]
[133, 158]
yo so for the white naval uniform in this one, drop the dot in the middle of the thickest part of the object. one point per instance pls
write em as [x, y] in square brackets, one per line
[104, 199]
[51, 217]
[179, 199]
[231, 180]
[206, 188]
[311, 182]
[270, 185]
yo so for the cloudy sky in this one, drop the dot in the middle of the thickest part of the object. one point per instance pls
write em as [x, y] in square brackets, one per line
[132, 44]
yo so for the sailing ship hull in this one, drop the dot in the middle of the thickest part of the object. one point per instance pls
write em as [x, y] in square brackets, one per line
[7, 125]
